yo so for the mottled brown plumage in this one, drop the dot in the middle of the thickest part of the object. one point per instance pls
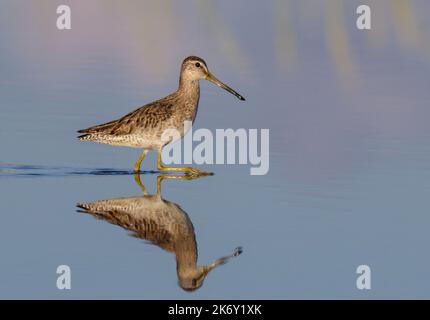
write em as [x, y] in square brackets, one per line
[144, 127]
[150, 218]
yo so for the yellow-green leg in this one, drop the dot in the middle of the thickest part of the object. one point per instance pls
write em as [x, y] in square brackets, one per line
[188, 170]
[139, 161]
[139, 183]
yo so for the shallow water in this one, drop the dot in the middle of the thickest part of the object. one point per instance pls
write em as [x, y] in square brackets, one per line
[349, 178]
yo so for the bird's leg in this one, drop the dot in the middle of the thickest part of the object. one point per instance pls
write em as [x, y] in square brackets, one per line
[139, 183]
[191, 171]
[139, 161]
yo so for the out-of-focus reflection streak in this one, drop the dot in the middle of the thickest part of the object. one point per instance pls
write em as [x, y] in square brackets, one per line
[405, 22]
[140, 36]
[338, 43]
[285, 42]
[152, 37]
[409, 33]
[224, 37]
[385, 14]
[145, 32]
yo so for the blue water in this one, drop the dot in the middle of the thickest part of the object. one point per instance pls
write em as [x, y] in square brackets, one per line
[349, 178]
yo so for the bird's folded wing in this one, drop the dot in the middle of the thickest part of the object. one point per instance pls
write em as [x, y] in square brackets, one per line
[148, 116]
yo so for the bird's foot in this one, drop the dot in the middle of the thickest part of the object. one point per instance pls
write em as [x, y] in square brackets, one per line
[198, 173]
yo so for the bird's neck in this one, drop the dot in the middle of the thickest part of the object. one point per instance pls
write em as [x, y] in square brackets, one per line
[189, 87]
[186, 254]
[189, 93]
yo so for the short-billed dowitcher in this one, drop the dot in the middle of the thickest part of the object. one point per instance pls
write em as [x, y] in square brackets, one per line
[144, 127]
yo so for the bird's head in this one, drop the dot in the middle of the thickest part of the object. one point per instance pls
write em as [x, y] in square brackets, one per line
[193, 279]
[195, 68]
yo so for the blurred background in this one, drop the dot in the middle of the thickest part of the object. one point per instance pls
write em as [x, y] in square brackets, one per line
[347, 110]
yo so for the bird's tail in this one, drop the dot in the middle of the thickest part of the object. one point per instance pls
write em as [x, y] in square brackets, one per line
[85, 137]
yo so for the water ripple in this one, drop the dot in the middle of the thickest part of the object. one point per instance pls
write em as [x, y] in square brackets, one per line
[17, 170]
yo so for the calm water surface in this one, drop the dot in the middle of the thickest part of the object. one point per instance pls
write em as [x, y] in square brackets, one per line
[348, 113]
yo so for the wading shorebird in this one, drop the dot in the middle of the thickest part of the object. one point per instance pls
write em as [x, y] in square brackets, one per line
[162, 223]
[144, 127]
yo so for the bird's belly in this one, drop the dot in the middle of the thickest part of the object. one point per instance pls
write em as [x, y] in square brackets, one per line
[168, 133]
[128, 140]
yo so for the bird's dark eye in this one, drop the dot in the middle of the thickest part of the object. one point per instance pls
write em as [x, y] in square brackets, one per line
[197, 65]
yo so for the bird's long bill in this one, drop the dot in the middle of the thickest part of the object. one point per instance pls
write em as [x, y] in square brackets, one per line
[223, 260]
[212, 79]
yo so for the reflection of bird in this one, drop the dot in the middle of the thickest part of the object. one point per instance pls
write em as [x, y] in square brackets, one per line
[162, 223]
[144, 127]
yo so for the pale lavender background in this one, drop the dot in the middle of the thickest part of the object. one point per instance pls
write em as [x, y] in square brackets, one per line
[349, 111]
